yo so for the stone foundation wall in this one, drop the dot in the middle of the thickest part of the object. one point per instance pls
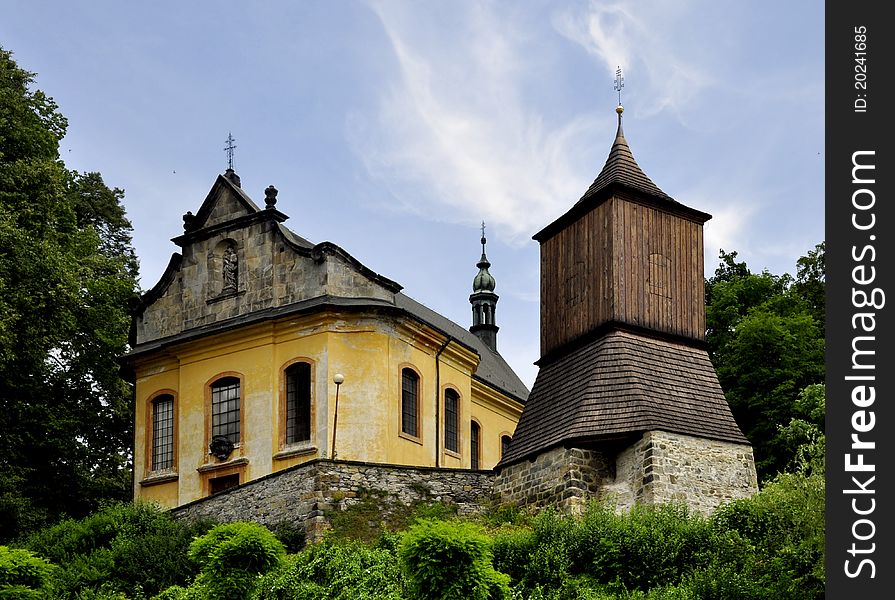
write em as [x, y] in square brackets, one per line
[660, 467]
[703, 473]
[308, 493]
[565, 478]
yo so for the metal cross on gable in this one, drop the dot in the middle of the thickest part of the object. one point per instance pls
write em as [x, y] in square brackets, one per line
[229, 148]
[619, 83]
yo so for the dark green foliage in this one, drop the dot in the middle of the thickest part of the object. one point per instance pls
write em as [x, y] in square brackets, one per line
[136, 549]
[292, 536]
[445, 560]
[337, 570]
[67, 272]
[766, 339]
[785, 525]
[23, 574]
[232, 556]
[644, 548]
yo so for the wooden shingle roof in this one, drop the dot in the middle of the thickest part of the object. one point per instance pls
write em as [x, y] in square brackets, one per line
[621, 168]
[620, 385]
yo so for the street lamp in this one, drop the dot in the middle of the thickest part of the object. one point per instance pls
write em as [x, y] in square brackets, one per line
[338, 379]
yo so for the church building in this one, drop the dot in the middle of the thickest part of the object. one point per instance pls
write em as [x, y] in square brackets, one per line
[280, 380]
[258, 351]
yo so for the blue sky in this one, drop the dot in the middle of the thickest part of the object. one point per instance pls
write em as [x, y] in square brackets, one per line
[394, 128]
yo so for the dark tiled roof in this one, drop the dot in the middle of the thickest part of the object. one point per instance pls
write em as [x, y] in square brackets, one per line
[621, 168]
[492, 369]
[619, 385]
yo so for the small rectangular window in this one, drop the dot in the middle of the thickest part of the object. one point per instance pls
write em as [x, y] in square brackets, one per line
[225, 482]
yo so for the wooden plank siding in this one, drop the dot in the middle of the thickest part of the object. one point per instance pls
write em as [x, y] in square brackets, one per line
[622, 261]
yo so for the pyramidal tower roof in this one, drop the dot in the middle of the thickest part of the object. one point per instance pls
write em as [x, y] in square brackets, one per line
[621, 168]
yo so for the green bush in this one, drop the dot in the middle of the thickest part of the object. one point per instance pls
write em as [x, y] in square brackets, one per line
[646, 547]
[337, 570]
[22, 574]
[446, 560]
[784, 525]
[133, 548]
[232, 556]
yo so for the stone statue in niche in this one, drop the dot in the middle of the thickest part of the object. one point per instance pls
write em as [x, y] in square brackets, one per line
[230, 270]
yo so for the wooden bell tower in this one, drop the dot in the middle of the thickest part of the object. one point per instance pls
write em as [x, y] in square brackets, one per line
[626, 402]
[625, 254]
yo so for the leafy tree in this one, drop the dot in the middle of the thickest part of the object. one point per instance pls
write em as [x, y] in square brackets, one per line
[766, 338]
[67, 272]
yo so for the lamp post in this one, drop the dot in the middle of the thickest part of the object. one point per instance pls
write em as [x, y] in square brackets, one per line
[338, 378]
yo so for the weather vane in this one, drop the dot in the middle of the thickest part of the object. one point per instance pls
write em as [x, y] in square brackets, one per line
[619, 83]
[229, 148]
[483, 236]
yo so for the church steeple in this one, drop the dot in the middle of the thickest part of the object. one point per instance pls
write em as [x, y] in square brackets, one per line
[484, 301]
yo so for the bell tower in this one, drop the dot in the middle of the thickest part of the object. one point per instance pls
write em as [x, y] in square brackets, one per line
[626, 402]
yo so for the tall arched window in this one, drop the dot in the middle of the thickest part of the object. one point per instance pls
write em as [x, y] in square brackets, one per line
[475, 433]
[162, 454]
[410, 383]
[225, 407]
[451, 420]
[298, 402]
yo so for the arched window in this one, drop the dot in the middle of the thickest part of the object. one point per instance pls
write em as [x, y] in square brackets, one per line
[451, 420]
[225, 407]
[298, 402]
[410, 383]
[162, 454]
[474, 434]
[504, 444]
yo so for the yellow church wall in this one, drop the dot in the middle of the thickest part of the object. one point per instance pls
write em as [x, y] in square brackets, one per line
[497, 416]
[370, 351]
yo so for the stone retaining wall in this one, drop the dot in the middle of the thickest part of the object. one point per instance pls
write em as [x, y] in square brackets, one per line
[308, 493]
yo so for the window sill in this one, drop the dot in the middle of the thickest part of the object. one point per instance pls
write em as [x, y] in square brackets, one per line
[159, 477]
[236, 462]
[452, 454]
[295, 451]
[411, 438]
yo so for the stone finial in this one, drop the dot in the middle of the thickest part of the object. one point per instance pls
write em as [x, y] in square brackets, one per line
[189, 221]
[270, 197]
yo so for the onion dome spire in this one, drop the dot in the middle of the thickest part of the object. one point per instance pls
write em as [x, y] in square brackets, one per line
[484, 281]
[484, 301]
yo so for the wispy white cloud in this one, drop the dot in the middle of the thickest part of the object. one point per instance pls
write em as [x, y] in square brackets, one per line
[455, 123]
[629, 34]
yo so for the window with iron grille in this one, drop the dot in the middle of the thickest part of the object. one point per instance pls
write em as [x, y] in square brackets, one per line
[451, 420]
[410, 383]
[162, 432]
[298, 403]
[225, 409]
[474, 432]
[504, 444]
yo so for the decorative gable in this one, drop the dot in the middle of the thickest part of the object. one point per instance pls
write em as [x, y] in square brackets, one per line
[239, 262]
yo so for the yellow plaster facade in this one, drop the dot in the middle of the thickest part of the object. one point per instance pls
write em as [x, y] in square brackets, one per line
[299, 303]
